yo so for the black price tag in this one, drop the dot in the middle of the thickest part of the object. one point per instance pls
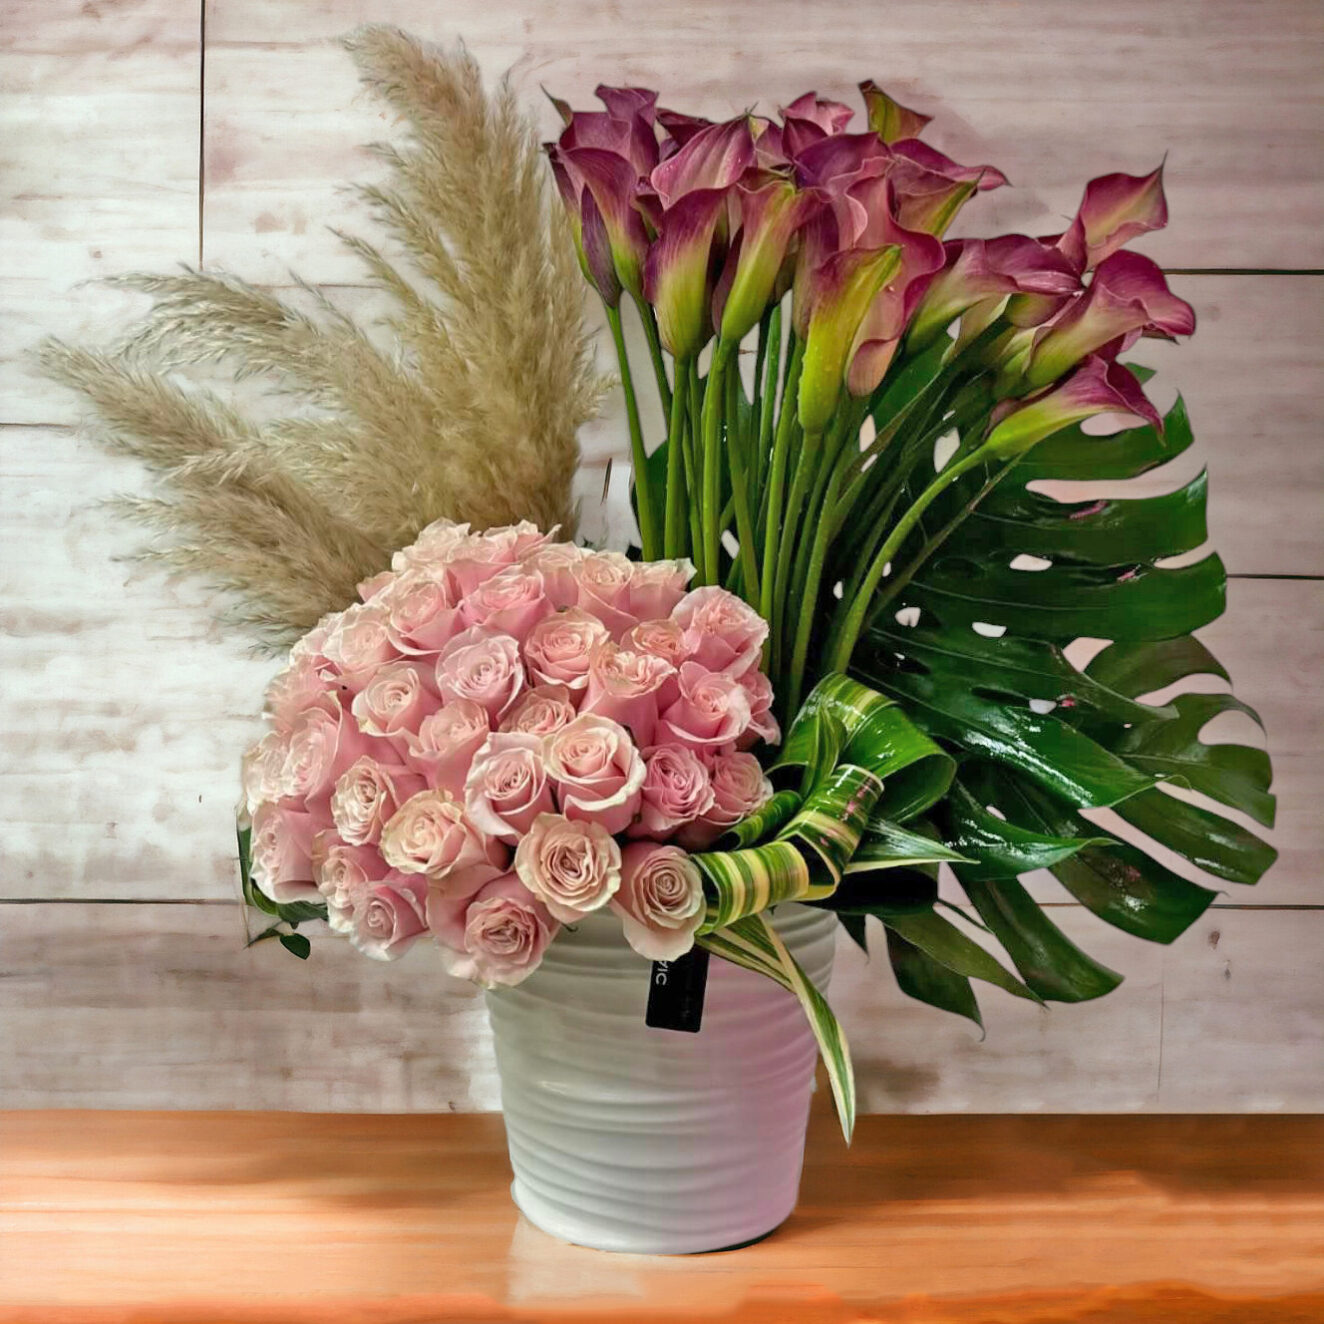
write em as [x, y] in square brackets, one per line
[675, 992]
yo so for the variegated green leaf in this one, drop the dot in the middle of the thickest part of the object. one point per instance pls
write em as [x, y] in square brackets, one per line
[754, 944]
[764, 822]
[838, 697]
[833, 818]
[743, 882]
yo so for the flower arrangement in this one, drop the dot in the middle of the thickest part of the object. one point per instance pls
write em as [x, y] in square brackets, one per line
[843, 536]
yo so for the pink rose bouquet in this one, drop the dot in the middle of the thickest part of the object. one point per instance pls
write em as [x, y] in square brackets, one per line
[508, 734]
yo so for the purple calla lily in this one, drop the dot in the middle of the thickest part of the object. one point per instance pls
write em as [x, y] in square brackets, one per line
[693, 196]
[978, 268]
[677, 274]
[772, 210]
[1114, 210]
[613, 181]
[889, 119]
[931, 188]
[856, 303]
[810, 119]
[1098, 386]
[603, 155]
[1129, 293]
[879, 333]
[714, 158]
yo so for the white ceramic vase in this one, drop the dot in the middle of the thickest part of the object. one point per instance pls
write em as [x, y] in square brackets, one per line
[653, 1141]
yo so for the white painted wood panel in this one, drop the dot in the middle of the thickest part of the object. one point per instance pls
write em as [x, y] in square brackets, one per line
[99, 124]
[1051, 92]
[125, 706]
[159, 1006]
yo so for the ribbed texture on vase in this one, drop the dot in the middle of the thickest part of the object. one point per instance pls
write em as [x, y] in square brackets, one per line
[655, 1141]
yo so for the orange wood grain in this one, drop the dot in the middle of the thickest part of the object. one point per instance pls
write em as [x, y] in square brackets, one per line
[308, 1219]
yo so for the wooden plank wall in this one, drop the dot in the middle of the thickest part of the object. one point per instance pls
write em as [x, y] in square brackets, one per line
[147, 133]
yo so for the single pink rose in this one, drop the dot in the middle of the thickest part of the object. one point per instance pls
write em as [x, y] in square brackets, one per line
[280, 853]
[367, 795]
[516, 541]
[429, 834]
[321, 745]
[484, 668]
[662, 638]
[660, 900]
[345, 875]
[395, 701]
[262, 770]
[505, 933]
[299, 687]
[507, 786]
[369, 588]
[422, 611]
[445, 743]
[677, 789]
[712, 710]
[596, 770]
[311, 644]
[511, 602]
[556, 563]
[433, 547]
[740, 786]
[573, 867]
[665, 639]
[722, 633]
[604, 589]
[391, 920]
[483, 555]
[359, 643]
[558, 649]
[541, 711]
[657, 586]
[625, 686]
[762, 724]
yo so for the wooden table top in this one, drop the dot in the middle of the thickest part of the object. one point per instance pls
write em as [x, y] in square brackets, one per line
[181, 1218]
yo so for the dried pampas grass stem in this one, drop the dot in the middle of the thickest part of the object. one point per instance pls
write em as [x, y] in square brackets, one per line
[463, 404]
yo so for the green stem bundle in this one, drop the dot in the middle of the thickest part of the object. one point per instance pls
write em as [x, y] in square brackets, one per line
[815, 515]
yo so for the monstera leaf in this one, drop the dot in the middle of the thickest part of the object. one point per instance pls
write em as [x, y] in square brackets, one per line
[974, 644]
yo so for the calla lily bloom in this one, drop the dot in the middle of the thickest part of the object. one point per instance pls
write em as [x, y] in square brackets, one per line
[1128, 293]
[772, 209]
[692, 189]
[595, 252]
[830, 116]
[931, 188]
[879, 333]
[846, 284]
[1114, 210]
[889, 119]
[604, 154]
[680, 127]
[835, 164]
[677, 274]
[833, 169]
[978, 268]
[628, 103]
[594, 259]
[857, 304]
[1096, 387]
[713, 158]
[612, 181]
[810, 119]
